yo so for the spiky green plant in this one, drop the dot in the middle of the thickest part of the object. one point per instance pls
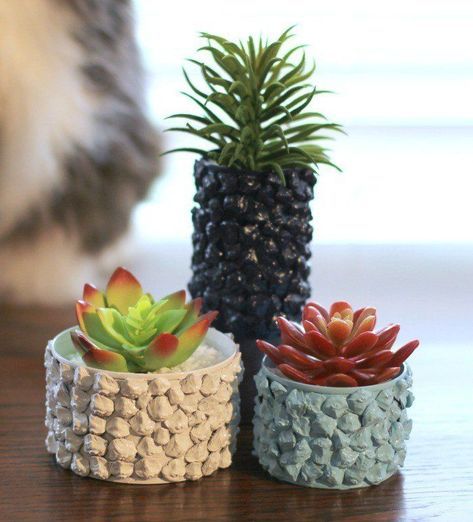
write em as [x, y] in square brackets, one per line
[255, 107]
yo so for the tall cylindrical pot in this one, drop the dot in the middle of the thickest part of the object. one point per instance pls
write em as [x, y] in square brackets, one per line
[251, 246]
[251, 251]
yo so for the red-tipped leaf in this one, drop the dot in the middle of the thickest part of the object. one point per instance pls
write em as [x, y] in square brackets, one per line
[319, 346]
[193, 310]
[366, 325]
[96, 357]
[190, 339]
[298, 359]
[356, 314]
[339, 330]
[403, 353]
[364, 377]
[123, 290]
[271, 351]
[386, 374]
[320, 308]
[209, 317]
[339, 306]
[386, 346]
[386, 334]
[290, 334]
[312, 316]
[93, 296]
[360, 315]
[294, 374]
[338, 365]
[160, 351]
[83, 308]
[340, 379]
[377, 360]
[91, 324]
[360, 344]
[174, 301]
[308, 326]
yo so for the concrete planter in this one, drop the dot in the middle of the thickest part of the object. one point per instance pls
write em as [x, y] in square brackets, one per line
[142, 428]
[323, 437]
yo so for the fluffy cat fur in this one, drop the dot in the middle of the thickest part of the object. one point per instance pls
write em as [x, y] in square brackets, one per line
[76, 149]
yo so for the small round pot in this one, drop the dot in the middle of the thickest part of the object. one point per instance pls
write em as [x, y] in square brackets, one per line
[143, 428]
[326, 437]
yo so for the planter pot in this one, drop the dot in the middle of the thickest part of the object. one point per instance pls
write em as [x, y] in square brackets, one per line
[142, 428]
[324, 437]
[251, 246]
[252, 357]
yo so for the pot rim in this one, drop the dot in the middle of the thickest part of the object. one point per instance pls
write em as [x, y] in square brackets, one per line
[213, 337]
[268, 368]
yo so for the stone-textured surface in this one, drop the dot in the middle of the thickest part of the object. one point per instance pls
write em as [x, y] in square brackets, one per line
[251, 245]
[345, 440]
[142, 428]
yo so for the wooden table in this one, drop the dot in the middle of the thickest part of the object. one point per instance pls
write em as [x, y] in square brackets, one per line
[436, 483]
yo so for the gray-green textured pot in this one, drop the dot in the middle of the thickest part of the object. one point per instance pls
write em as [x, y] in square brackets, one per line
[325, 437]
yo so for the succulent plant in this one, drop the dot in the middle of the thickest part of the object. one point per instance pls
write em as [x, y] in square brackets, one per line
[124, 329]
[254, 107]
[337, 347]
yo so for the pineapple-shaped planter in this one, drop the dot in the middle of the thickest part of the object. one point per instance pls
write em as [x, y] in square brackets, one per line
[143, 391]
[331, 410]
[251, 245]
[254, 184]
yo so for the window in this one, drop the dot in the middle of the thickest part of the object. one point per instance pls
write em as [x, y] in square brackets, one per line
[403, 74]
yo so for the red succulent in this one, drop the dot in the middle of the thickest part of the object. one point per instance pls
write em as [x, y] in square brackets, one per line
[337, 347]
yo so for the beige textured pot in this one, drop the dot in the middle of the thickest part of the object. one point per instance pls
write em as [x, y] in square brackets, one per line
[142, 428]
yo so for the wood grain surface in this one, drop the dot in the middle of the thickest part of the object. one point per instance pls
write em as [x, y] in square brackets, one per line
[436, 483]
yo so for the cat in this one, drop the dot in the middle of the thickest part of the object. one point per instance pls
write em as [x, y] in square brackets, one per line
[77, 151]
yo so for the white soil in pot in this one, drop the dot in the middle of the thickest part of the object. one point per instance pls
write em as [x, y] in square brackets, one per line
[204, 357]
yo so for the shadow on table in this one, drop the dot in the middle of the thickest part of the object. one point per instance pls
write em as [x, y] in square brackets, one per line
[244, 491]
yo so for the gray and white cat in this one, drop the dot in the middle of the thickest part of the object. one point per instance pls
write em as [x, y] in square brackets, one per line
[76, 149]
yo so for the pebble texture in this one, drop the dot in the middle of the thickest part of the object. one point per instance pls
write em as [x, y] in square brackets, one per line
[251, 246]
[142, 428]
[345, 440]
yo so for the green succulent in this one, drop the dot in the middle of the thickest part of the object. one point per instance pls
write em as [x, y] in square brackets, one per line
[125, 330]
[254, 108]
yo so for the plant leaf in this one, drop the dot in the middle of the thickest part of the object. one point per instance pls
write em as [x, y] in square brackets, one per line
[169, 320]
[174, 301]
[257, 97]
[192, 314]
[160, 351]
[123, 290]
[91, 324]
[190, 339]
[97, 358]
[113, 323]
[93, 296]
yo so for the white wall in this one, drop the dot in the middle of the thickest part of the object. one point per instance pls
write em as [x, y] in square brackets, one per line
[403, 74]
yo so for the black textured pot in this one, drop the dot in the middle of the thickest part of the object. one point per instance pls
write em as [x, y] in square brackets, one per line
[251, 247]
